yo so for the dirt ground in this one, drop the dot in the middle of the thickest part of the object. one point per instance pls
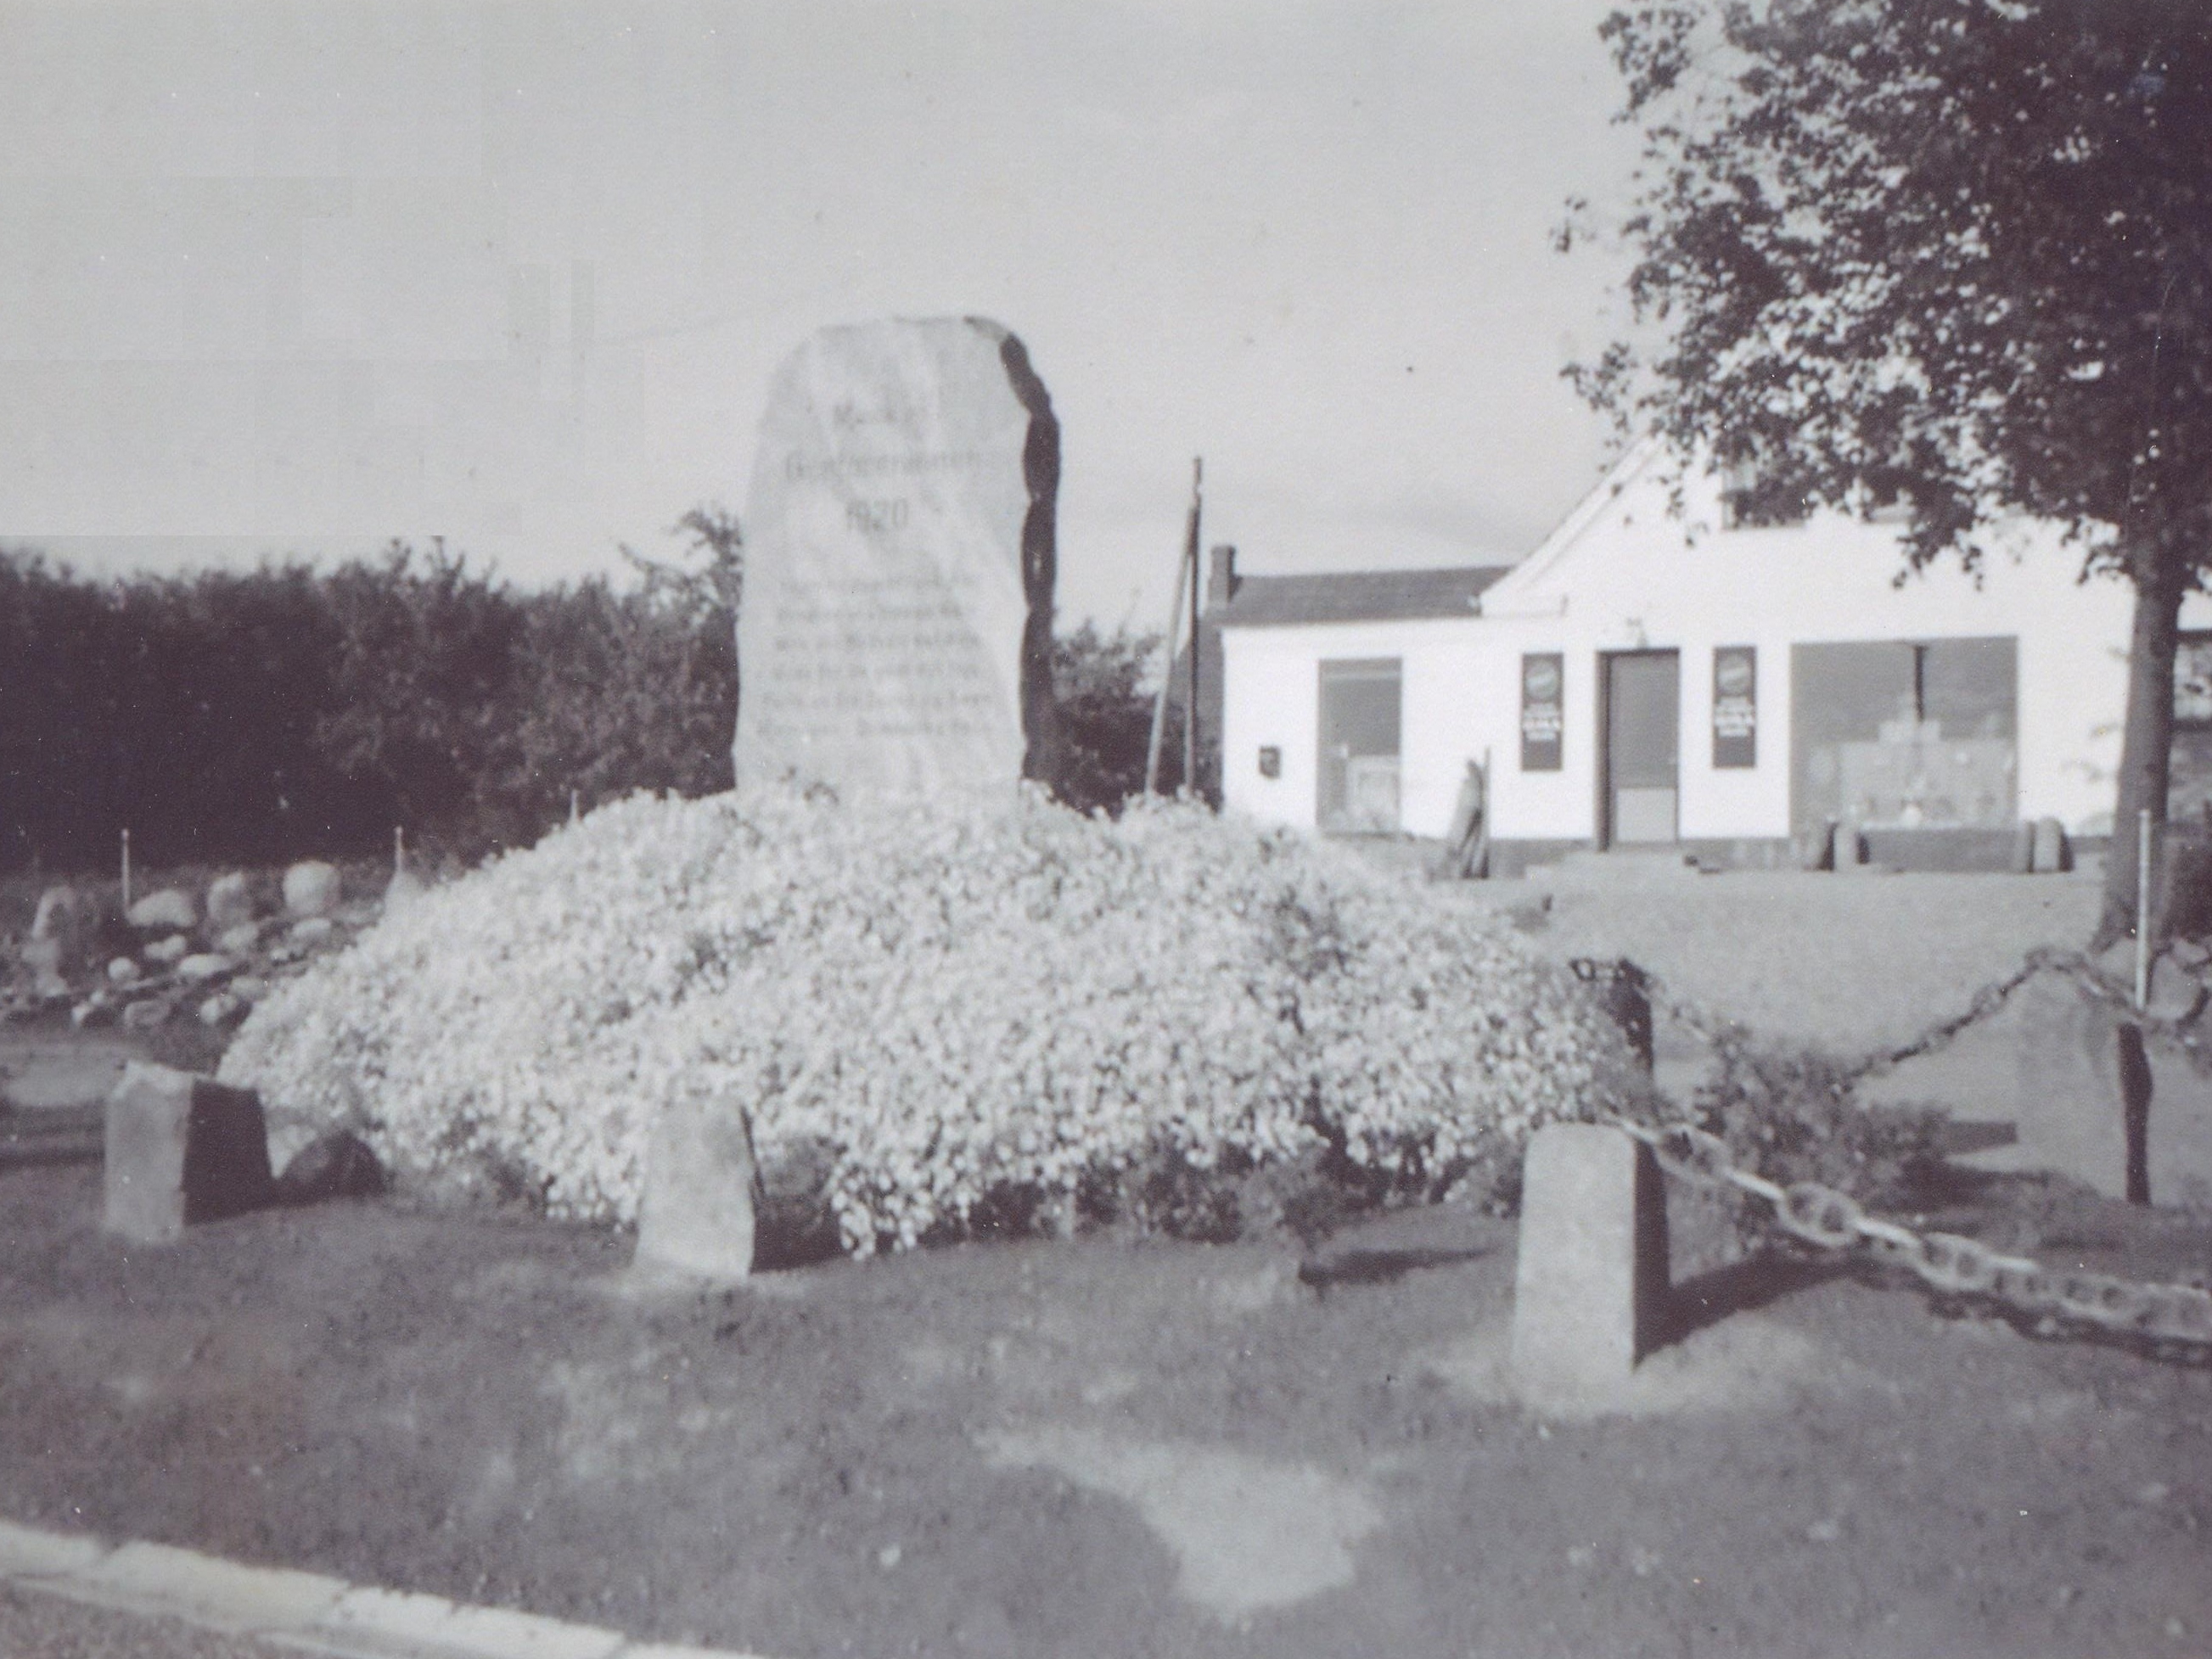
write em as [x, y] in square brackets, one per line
[1104, 1447]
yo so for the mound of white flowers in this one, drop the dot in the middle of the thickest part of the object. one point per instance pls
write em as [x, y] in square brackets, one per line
[954, 1004]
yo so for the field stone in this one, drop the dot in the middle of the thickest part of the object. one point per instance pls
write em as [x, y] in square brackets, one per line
[169, 950]
[180, 1149]
[207, 964]
[697, 1216]
[312, 930]
[220, 1009]
[146, 1015]
[311, 888]
[229, 902]
[122, 971]
[171, 908]
[238, 938]
[336, 1163]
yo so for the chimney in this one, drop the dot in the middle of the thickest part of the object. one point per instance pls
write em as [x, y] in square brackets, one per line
[1221, 577]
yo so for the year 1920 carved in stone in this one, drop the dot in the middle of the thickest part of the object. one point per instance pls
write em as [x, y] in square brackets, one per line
[897, 631]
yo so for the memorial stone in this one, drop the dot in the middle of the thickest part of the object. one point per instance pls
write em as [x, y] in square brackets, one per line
[896, 632]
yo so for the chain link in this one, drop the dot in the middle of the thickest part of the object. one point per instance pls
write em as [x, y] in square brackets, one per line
[1948, 1262]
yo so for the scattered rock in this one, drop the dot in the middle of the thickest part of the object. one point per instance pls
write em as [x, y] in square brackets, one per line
[251, 987]
[335, 1164]
[88, 1013]
[311, 888]
[122, 971]
[180, 1149]
[312, 930]
[171, 908]
[220, 1009]
[145, 1016]
[208, 964]
[240, 939]
[169, 950]
[229, 902]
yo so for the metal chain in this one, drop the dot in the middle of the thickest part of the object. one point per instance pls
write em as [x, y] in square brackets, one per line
[2180, 1033]
[1948, 1262]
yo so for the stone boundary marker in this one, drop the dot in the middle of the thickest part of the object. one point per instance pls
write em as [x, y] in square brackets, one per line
[301, 1612]
[1589, 1294]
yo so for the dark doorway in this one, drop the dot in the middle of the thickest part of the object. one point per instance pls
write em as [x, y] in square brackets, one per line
[1359, 759]
[1643, 745]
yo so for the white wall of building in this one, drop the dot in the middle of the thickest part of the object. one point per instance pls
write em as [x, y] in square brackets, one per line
[1626, 573]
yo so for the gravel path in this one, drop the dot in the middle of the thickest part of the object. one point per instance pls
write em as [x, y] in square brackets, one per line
[1851, 963]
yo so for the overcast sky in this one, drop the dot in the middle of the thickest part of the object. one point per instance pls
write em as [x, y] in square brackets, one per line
[305, 278]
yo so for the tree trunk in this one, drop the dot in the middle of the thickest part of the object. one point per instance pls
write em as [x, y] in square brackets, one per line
[2146, 748]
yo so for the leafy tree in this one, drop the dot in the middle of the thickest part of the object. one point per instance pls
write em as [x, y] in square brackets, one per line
[422, 683]
[1957, 250]
[1105, 714]
[634, 690]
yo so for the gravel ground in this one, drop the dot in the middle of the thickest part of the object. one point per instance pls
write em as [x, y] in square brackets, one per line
[1851, 963]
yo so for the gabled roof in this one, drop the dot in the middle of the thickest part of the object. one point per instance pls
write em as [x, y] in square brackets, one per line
[1539, 565]
[1355, 595]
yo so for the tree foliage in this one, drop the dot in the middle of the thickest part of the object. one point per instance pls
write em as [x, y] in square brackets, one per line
[1955, 251]
[260, 716]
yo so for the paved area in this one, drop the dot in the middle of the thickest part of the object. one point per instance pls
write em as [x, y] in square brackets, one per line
[67, 1596]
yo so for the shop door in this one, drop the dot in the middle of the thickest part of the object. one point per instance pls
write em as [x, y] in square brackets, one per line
[1643, 703]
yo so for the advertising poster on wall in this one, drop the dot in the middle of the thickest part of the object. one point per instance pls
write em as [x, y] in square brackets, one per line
[1543, 676]
[1736, 706]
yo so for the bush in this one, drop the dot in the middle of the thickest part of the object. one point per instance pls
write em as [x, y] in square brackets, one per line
[988, 1020]
[1793, 1113]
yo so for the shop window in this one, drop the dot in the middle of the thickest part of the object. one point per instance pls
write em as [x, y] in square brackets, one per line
[1359, 740]
[1905, 734]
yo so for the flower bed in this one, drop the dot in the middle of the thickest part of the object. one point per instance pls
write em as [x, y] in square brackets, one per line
[962, 1009]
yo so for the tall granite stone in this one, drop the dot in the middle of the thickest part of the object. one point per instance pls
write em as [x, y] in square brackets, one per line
[896, 632]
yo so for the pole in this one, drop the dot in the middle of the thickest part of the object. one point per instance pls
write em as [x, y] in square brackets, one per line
[398, 849]
[1167, 680]
[2142, 909]
[1190, 686]
[1188, 554]
[126, 872]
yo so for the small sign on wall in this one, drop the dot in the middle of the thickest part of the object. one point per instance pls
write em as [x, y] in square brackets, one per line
[1735, 705]
[1271, 761]
[1543, 681]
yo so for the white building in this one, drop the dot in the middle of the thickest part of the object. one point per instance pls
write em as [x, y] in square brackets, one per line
[1649, 676]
